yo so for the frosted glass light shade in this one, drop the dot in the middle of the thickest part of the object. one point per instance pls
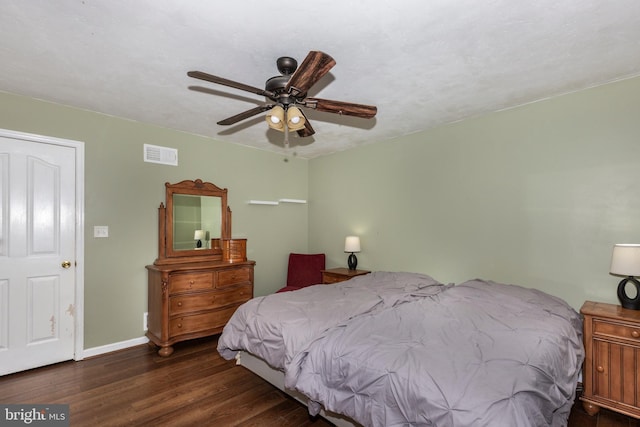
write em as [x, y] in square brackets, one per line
[352, 244]
[295, 119]
[275, 118]
[625, 260]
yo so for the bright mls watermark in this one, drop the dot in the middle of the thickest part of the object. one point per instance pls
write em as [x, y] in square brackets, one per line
[53, 415]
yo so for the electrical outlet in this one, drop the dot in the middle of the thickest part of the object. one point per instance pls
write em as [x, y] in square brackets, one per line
[145, 319]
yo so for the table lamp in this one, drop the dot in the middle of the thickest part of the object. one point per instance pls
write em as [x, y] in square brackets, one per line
[352, 244]
[625, 261]
[198, 236]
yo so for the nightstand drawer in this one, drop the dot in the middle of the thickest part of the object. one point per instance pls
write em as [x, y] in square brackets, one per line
[190, 281]
[616, 330]
[337, 275]
[328, 278]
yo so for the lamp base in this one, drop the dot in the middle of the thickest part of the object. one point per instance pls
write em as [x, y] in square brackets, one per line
[199, 243]
[352, 261]
[625, 300]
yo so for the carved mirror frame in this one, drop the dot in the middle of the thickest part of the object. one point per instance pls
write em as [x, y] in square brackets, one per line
[167, 254]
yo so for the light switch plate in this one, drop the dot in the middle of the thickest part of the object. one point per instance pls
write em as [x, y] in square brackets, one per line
[101, 231]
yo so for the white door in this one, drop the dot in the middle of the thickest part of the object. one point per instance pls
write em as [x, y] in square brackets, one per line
[37, 253]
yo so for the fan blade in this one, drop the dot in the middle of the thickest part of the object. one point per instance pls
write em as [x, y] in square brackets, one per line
[308, 129]
[221, 81]
[346, 108]
[312, 69]
[244, 115]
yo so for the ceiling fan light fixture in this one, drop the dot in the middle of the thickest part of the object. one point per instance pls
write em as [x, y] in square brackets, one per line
[275, 118]
[295, 119]
[284, 93]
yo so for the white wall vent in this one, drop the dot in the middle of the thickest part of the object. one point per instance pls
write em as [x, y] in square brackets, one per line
[162, 155]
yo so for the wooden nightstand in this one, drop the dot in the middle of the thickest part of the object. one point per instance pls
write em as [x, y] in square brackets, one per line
[335, 275]
[612, 355]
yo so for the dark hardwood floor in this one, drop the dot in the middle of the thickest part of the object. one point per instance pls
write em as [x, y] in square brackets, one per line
[604, 418]
[193, 387]
[136, 387]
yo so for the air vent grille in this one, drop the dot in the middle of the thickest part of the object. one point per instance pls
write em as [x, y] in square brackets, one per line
[161, 155]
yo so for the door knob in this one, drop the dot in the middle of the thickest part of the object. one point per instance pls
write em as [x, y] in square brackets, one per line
[66, 264]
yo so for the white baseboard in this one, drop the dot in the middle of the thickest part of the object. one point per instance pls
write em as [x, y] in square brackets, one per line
[97, 351]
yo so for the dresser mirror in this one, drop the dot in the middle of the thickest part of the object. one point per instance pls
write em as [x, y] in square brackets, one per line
[194, 222]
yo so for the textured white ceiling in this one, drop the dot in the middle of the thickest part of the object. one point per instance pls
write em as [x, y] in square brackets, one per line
[422, 63]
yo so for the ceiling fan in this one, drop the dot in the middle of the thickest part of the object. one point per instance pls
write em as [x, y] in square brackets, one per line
[285, 93]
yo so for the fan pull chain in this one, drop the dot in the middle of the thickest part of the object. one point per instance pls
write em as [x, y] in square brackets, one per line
[286, 136]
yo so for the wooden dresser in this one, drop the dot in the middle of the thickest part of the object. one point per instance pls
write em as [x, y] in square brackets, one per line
[611, 367]
[335, 275]
[193, 286]
[193, 300]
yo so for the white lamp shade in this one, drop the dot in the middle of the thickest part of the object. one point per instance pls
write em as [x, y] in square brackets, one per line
[625, 260]
[352, 244]
[199, 235]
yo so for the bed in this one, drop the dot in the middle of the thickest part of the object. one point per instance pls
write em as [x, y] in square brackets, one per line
[397, 349]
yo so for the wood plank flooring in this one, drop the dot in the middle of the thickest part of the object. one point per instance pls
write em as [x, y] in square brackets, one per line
[136, 387]
[195, 386]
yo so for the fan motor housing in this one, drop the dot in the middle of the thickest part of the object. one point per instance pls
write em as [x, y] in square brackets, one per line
[286, 65]
[277, 84]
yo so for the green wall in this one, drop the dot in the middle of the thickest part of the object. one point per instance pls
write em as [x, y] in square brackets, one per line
[536, 196]
[123, 192]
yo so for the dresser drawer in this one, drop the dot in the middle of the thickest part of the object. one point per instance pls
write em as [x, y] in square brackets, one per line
[190, 281]
[233, 276]
[200, 322]
[207, 300]
[616, 330]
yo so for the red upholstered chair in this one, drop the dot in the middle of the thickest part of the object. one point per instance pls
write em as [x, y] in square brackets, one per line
[304, 270]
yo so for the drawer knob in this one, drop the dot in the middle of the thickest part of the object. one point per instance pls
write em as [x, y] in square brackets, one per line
[180, 304]
[179, 325]
[191, 282]
[600, 369]
[635, 334]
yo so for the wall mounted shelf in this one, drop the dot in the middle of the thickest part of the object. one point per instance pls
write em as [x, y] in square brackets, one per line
[293, 201]
[263, 202]
[275, 203]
